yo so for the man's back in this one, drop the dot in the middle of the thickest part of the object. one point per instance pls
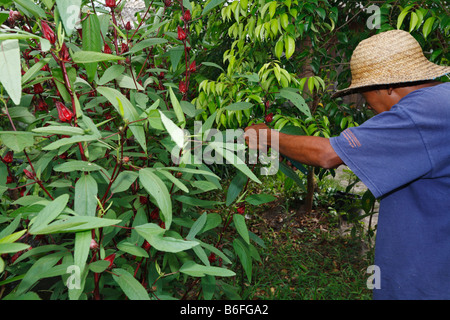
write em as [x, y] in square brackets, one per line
[403, 156]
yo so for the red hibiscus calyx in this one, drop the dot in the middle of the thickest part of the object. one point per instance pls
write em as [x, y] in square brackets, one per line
[183, 87]
[48, 32]
[64, 114]
[269, 117]
[187, 16]
[8, 158]
[110, 258]
[107, 49]
[64, 53]
[181, 33]
[110, 3]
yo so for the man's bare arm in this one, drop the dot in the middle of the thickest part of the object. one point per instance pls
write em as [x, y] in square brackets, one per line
[314, 151]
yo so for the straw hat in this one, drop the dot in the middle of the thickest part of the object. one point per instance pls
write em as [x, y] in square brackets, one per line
[390, 57]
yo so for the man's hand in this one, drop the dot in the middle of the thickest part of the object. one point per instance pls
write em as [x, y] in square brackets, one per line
[258, 136]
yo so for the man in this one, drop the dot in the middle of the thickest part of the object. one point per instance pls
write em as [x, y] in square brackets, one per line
[402, 155]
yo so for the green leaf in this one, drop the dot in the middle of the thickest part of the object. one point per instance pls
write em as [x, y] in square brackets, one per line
[12, 247]
[258, 199]
[69, 10]
[30, 8]
[192, 201]
[37, 270]
[92, 42]
[241, 227]
[239, 106]
[174, 180]
[65, 141]
[111, 73]
[12, 237]
[77, 165]
[64, 130]
[158, 190]
[196, 270]
[129, 285]
[279, 47]
[10, 69]
[99, 266]
[402, 16]
[176, 133]
[235, 188]
[7, 231]
[130, 113]
[291, 174]
[177, 107]
[155, 236]
[428, 26]
[92, 56]
[17, 140]
[132, 249]
[297, 100]
[289, 46]
[243, 253]
[211, 5]
[49, 213]
[197, 226]
[414, 21]
[85, 202]
[81, 253]
[233, 159]
[147, 43]
[212, 64]
[123, 181]
[76, 224]
[34, 70]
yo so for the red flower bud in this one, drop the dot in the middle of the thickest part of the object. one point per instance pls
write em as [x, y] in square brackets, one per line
[28, 174]
[241, 209]
[128, 26]
[167, 3]
[64, 53]
[143, 199]
[124, 47]
[146, 245]
[42, 106]
[8, 158]
[107, 49]
[212, 258]
[193, 67]
[181, 33]
[48, 32]
[9, 180]
[94, 244]
[269, 117]
[65, 115]
[182, 86]
[110, 3]
[110, 258]
[37, 88]
[187, 16]
[154, 214]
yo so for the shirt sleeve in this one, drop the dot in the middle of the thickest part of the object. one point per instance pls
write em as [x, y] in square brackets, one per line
[386, 152]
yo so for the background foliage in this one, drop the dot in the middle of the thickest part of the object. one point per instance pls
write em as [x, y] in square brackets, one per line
[94, 203]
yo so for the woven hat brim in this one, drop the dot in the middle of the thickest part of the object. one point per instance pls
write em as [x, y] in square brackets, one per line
[438, 71]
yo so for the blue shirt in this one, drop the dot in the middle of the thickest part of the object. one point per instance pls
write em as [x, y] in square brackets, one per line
[403, 157]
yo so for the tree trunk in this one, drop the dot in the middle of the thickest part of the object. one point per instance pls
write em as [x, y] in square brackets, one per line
[310, 186]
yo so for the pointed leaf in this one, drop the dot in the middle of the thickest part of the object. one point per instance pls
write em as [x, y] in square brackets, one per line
[158, 190]
[86, 196]
[241, 227]
[129, 285]
[10, 69]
